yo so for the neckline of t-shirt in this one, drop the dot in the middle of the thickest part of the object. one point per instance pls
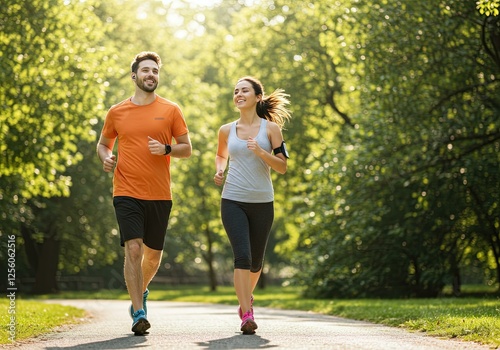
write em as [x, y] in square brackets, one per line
[149, 104]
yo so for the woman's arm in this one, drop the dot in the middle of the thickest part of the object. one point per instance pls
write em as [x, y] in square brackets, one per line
[222, 155]
[277, 162]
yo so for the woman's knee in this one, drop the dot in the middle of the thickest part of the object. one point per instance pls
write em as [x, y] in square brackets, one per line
[243, 263]
[256, 268]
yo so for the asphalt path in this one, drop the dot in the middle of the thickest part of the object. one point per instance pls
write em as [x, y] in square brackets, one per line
[208, 326]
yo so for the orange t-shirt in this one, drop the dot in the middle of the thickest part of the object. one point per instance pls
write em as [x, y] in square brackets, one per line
[139, 173]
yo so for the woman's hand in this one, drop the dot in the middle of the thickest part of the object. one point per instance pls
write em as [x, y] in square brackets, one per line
[253, 146]
[219, 178]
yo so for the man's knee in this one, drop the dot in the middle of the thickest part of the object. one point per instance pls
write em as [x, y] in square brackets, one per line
[152, 257]
[133, 249]
[152, 262]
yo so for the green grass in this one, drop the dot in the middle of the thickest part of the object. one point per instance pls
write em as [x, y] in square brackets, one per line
[468, 318]
[33, 318]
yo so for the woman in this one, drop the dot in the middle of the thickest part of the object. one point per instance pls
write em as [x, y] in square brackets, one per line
[253, 144]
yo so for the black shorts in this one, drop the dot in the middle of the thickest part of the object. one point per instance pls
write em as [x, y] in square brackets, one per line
[144, 219]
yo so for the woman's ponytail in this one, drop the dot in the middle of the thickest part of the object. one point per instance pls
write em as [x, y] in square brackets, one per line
[272, 107]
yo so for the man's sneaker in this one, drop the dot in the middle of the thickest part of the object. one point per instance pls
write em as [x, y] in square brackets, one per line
[240, 313]
[248, 325]
[140, 324]
[144, 304]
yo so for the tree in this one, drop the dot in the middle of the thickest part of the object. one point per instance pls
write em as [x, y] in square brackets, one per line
[404, 218]
[52, 83]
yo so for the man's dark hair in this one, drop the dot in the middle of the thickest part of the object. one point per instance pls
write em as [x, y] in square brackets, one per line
[142, 56]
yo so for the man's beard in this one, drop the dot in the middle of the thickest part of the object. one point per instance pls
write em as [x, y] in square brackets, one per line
[145, 88]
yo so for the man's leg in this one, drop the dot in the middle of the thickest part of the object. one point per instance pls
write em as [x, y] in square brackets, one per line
[133, 271]
[150, 265]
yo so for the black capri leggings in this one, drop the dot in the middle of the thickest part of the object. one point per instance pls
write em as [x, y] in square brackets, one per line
[248, 226]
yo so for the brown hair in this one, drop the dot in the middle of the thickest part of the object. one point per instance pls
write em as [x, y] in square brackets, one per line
[272, 107]
[142, 56]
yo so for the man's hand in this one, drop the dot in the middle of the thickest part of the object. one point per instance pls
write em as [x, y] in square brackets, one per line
[109, 163]
[156, 147]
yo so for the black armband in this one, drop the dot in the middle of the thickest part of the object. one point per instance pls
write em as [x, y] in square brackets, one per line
[281, 149]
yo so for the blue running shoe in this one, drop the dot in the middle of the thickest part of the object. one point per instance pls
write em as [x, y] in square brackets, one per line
[144, 304]
[140, 324]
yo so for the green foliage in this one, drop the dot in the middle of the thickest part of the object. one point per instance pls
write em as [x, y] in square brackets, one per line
[392, 187]
[398, 209]
[53, 89]
[46, 98]
[488, 7]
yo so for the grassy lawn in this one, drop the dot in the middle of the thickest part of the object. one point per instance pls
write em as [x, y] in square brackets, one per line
[33, 318]
[468, 318]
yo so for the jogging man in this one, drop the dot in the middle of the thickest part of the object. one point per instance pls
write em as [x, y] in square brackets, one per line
[144, 126]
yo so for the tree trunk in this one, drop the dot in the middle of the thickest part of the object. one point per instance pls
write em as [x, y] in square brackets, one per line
[212, 276]
[457, 281]
[492, 234]
[210, 262]
[43, 259]
[262, 280]
[46, 272]
[30, 246]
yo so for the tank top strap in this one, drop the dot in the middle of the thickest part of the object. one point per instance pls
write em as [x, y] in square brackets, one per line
[232, 129]
[263, 126]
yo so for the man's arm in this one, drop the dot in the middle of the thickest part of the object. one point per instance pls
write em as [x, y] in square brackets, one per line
[182, 148]
[105, 153]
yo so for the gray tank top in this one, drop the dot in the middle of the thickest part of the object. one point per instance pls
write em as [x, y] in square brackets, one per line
[248, 178]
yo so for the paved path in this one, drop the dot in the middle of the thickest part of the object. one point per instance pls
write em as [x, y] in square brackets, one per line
[207, 326]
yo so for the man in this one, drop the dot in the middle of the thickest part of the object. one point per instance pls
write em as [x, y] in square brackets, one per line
[144, 126]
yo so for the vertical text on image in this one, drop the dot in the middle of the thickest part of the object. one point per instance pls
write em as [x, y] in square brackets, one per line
[11, 285]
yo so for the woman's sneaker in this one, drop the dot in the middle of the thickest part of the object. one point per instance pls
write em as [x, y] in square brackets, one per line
[248, 325]
[144, 304]
[140, 323]
[240, 313]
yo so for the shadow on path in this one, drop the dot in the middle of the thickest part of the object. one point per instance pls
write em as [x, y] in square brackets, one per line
[237, 341]
[125, 342]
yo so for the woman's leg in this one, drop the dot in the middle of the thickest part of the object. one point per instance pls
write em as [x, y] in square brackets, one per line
[243, 288]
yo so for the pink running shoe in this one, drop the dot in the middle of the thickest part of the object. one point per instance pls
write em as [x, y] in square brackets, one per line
[248, 325]
[240, 313]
